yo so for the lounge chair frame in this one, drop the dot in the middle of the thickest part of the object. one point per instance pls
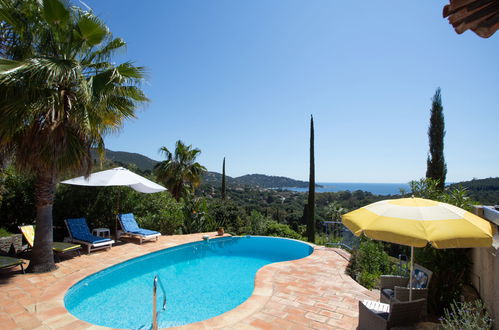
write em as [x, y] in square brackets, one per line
[15, 262]
[140, 237]
[90, 246]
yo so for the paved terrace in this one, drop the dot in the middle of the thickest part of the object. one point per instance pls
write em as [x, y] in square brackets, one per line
[310, 293]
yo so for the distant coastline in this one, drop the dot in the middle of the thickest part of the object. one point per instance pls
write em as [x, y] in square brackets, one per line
[374, 188]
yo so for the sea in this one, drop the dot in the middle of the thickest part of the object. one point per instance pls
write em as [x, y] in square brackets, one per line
[375, 188]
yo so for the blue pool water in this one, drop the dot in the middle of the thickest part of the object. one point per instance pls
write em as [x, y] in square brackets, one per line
[201, 280]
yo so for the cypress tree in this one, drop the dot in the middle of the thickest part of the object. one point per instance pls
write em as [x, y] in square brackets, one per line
[311, 188]
[224, 193]
[436, 167]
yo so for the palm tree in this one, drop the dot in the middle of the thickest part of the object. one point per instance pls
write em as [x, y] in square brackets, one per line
[59, 95]
[180, 172]
[334, 211]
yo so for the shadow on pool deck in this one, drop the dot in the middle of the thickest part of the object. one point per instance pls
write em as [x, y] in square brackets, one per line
[313, 292]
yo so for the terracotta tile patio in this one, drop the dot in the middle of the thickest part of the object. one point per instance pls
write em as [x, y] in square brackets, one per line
[310, 293]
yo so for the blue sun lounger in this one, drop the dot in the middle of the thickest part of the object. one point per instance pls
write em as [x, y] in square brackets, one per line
[130, 228]
[80, 233]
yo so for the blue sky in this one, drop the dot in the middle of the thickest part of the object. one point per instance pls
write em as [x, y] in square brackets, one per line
[239, 79]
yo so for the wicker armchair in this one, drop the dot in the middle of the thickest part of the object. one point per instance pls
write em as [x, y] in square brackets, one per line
[399, 314]
[389, 284]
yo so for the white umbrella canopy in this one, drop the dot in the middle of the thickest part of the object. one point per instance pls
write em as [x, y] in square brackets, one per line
[118, 176]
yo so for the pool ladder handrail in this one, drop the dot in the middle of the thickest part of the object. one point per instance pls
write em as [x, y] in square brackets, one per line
[154, 313]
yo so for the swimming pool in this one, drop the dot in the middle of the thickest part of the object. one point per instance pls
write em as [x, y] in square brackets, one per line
[201, 280]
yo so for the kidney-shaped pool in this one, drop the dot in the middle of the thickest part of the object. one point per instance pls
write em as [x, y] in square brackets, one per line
[201, 280]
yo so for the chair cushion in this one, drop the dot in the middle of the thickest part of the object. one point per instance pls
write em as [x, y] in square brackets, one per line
[79, 230]
[128, 222]
[77, 226]
[90, 238]
[419, 279]
[29, 234]
[389, 293]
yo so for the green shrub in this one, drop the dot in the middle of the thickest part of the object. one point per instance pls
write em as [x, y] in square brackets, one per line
[466, 316]
[196, 218]
[450, 269]
[281, 230]
[369, 262]
[368, 280]
[18, 204]
[159, 212]
[257, 223]
[227, 214]
[4, 232]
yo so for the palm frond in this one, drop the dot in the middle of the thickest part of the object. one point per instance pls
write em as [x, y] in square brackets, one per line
[56, 12]
[92, 29]
[130, 73]
[106, 51]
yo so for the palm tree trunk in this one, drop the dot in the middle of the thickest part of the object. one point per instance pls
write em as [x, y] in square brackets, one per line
[42, 256]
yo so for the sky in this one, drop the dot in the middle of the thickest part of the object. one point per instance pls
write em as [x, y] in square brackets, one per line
[240, 79]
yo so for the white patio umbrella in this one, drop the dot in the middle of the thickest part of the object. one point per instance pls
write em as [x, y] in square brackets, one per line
[118, 176]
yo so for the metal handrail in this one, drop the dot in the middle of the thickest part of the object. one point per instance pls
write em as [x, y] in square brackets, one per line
[154, 313]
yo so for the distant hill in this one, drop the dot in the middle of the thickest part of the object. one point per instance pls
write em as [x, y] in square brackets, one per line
[215, 179]
[142, 162]
[212, 178]
[267, 181]
[485, 191]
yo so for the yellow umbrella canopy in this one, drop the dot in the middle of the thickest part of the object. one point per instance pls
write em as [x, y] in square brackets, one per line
[418, 221]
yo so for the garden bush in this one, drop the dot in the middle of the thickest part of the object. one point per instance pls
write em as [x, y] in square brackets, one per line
[257, 224]
[227, 214]
[466, 316]
[281, 230]
[159, 212]
[369, 262]
[4, 232]
[17, 203]
[450, 269]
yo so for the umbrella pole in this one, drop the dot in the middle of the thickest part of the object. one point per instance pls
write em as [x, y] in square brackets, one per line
[410, 274]
[117, 213]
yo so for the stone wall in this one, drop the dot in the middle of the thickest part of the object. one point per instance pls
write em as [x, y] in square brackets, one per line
[485, 271]
[14, 240]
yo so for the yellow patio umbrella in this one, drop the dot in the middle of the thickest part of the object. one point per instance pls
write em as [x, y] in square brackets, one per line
[416, 222]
